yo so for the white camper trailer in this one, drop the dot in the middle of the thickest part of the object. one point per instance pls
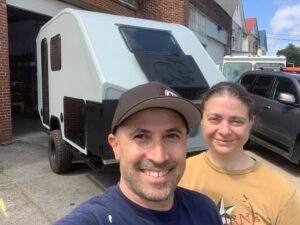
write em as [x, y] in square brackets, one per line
[86, 60]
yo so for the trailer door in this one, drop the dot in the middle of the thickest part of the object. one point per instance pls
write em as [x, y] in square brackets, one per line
[45, 82]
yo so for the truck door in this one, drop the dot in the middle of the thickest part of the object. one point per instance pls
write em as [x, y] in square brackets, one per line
[45, 82]
[278, 117]
[261, 92]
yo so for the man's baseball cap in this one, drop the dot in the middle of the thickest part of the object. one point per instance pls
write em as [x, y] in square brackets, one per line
[154, 95]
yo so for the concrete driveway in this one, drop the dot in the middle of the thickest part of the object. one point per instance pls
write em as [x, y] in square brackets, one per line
[30, 193]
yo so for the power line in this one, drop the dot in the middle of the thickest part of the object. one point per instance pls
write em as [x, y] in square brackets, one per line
[296, 35]
[282, 39]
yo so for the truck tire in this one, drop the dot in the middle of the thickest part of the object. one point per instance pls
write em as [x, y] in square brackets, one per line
[59, 155]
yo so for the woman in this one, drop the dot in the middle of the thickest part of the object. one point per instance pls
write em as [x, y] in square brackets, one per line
[246, 191]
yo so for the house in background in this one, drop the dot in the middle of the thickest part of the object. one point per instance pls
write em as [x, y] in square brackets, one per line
[212, 26]
[244, 37]
[263, 45]
[251, 40]
[235, 10]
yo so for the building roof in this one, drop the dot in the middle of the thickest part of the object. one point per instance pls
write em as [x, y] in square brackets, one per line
[250, 22]
[228, 6]
[263, 39]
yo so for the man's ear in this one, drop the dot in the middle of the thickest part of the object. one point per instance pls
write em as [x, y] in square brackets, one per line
[112, 140]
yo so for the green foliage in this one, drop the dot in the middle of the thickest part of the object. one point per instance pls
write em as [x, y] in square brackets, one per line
[292, 54]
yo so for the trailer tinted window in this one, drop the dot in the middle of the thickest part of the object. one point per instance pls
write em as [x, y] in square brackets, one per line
[55, 51]
[150, 41]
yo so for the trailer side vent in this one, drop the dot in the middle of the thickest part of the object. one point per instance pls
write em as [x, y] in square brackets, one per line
[74, 115]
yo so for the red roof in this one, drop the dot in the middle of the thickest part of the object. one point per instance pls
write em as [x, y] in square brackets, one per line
[250, 22]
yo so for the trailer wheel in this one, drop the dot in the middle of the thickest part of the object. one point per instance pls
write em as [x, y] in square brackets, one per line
[60, 157]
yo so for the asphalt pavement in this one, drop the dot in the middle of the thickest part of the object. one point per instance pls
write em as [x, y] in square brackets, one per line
[30, 193]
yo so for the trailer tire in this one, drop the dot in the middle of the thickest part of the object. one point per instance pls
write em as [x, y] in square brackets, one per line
[60, 157]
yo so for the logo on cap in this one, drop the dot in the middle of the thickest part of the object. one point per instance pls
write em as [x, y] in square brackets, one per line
[170, 93]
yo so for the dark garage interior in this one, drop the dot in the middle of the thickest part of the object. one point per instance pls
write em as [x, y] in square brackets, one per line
[23, 27]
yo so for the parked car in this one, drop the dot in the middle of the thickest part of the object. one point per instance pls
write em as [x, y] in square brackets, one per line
[277, 111]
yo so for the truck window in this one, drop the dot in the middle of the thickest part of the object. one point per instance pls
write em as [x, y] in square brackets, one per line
[235, 65]
[262, 85]
[233, 70]
[268, 66]
[150, 41]
[248, 81]
[284, 85]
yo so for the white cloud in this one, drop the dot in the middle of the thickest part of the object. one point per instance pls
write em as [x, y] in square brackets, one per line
[285, 24]
[286, 19]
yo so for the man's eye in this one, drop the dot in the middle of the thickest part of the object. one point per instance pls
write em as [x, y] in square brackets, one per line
[140, 136]
[237, 122]
[173, 136]
[213, 119]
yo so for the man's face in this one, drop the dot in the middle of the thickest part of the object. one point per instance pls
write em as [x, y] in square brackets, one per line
[151, 148]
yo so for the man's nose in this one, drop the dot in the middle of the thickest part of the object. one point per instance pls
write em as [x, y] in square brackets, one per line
[158, 153]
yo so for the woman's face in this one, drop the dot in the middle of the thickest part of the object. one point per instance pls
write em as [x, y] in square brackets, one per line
[226, 124]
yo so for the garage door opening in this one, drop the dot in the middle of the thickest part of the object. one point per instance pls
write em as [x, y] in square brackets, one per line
[23, 27]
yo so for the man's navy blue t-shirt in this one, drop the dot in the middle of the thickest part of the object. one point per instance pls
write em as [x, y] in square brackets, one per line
[113, 207]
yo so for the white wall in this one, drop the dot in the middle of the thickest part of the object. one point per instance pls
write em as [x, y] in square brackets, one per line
[45, 7]
[216, 51]
[216, 41]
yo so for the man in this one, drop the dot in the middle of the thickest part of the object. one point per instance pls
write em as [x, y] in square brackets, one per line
[149, 136]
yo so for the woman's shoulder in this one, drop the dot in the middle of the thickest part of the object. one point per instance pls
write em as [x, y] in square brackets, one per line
[272, 177]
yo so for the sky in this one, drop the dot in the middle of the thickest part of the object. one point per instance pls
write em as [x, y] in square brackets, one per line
[279, 18]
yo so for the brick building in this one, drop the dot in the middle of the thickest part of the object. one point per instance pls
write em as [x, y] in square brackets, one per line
[5, 112]
[20, 21]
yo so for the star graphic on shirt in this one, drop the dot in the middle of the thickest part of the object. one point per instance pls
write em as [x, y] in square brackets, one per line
[225, 212]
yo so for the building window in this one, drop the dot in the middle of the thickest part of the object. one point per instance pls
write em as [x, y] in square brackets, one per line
[132, 3]
[237, 38]
[55, 52]
[197, 21]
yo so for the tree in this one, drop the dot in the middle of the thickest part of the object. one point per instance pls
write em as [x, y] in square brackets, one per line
[292, 54]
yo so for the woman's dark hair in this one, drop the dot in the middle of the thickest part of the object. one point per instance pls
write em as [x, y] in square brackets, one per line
[229, 88]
